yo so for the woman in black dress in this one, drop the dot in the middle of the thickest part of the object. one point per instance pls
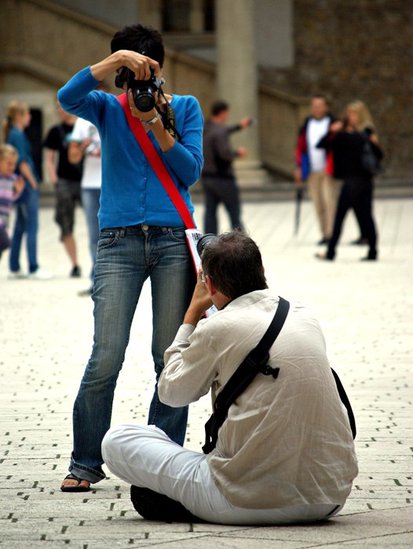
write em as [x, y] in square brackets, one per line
[347, 140]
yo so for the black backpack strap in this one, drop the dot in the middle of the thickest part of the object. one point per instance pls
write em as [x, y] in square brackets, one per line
[344, 399]
[255, 362]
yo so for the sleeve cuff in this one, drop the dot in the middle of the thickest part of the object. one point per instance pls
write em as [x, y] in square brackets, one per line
[184, 332]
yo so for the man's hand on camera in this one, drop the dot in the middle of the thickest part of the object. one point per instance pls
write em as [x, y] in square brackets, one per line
[201, 302]
[139, 64]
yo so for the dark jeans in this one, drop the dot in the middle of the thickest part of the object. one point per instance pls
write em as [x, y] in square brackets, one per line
[27, 222]
[90, 203]
[217, 190]
[125, 259]
[356, 193]
[4, 239]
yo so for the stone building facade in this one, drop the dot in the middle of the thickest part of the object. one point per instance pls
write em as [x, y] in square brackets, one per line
[265, 56]
[358, 49]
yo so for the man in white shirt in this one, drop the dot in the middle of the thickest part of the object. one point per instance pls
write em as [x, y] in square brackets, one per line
[285, 453]
[85, 143]
[316, 166]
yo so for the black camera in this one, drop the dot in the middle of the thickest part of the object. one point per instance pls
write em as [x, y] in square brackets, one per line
[204, 241]
[144, 91]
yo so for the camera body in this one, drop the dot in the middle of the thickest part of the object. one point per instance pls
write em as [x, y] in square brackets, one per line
[204, 241]
[144, 91]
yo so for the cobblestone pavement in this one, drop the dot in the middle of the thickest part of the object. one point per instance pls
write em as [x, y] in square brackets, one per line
[46, 329]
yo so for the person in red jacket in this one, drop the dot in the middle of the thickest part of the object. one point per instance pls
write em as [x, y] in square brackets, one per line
[315, 165]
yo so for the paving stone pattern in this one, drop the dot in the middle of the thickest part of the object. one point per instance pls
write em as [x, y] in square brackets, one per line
[46, 331]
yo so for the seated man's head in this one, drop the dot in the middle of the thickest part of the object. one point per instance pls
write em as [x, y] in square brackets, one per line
[144, 40]
[232, 265]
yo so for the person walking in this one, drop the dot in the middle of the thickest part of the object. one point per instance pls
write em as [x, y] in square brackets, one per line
[66, 180]
[141, 234]
[85, 144]
[218, 178]
[315, 165]
[11, 186]
[27, 216]
[347, 140]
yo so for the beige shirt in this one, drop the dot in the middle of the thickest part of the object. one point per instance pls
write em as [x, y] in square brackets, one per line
[286, 441]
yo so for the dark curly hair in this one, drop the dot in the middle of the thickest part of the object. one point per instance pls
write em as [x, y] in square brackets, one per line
[233, 261]
[144, 40]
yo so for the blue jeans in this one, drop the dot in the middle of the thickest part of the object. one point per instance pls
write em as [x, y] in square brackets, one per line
[27, 221]
[126, 257]
[90, 203]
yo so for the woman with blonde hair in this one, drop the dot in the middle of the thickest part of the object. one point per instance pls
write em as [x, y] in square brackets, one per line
[18, 118]
[348, 140]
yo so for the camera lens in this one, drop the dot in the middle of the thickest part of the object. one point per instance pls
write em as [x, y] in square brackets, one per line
[144, 100]
[204, 241]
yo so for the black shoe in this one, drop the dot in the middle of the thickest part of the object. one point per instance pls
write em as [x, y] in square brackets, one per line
[369, 258]
[75, 272]
[323, 242]
[153, 506]
[359, 242]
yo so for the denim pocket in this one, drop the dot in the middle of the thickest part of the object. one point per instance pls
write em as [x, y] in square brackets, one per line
[108, 239]
[176, 234]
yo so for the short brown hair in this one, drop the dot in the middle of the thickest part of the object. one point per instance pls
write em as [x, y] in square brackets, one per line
[233, 262]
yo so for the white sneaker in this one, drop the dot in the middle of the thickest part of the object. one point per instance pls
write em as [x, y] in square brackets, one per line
[13, 275]
[39, 274]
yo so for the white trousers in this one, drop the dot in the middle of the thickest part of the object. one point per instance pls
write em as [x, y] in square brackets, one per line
[146, 457]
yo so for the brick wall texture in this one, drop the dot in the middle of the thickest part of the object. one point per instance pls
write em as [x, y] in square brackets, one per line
[359, 49]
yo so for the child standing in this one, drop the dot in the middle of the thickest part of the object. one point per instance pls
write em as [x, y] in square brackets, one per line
[11, 186]
[27, 207]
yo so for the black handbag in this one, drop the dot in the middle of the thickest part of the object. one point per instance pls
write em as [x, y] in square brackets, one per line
[370, 160]
[257, 362]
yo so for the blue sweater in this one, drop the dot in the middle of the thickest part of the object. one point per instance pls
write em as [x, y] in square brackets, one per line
[131, 193]
[20, 141]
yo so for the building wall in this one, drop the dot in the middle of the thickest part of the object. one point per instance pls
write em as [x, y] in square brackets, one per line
[274, 33]
[117, 13]
[346, 48]
[361, 49]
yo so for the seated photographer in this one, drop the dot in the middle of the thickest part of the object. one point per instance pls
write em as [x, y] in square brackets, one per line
[285, 453]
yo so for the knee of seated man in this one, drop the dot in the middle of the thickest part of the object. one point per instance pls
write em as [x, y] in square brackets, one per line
[114, 441]
[111, 443]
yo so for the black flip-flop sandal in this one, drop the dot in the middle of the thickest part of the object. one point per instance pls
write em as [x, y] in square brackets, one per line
[77, 488]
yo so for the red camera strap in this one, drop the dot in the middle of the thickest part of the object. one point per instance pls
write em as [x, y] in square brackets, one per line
[156, 163]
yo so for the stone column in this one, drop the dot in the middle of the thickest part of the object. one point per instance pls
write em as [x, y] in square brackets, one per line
[237, 68]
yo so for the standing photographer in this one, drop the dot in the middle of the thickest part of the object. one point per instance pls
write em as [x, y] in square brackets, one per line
[142, 235]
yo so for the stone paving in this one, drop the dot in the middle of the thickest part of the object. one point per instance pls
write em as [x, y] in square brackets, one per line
[46, 329]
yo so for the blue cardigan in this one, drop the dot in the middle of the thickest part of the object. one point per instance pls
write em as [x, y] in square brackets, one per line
[20, 141]
[131, 193]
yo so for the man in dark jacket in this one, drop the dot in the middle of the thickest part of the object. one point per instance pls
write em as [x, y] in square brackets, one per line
[218, 177]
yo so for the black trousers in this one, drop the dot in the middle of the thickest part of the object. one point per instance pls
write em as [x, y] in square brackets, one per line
[219, 189]
[356, 193]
